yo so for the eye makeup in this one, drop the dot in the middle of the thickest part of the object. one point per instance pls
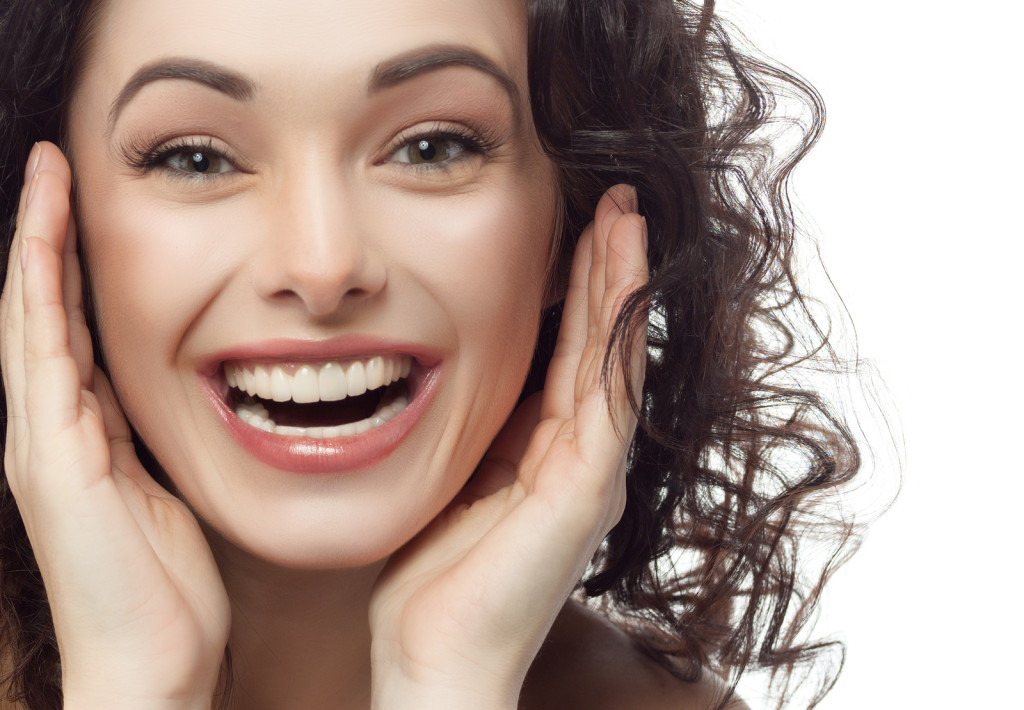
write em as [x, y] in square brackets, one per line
[441, 146]
[186, 158]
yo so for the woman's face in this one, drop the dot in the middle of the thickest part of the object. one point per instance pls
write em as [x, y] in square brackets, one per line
[293, 204]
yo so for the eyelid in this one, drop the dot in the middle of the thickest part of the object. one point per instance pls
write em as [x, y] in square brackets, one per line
[473, 141]
[147, 154]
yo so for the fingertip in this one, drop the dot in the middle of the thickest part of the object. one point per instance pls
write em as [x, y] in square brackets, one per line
[32, 164]
[617, 200]
[627, 239]
[51, 158]
[624, 197]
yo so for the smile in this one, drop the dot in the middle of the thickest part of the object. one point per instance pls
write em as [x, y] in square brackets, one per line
[322, 407]
[323, 400]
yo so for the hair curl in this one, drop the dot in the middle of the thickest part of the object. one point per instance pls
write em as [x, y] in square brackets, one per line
[732, 459]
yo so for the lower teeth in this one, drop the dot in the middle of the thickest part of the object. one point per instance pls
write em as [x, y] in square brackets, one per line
[256, 415]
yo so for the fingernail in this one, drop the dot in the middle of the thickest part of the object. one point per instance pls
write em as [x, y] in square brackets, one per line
[24, 256]
[645, 232]
[33, 162]
[634, 201]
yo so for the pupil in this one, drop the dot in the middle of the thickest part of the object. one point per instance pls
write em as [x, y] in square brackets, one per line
[200, 162]
[427, 150]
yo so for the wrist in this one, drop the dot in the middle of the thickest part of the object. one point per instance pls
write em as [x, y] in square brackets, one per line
[117, 696]
[439, 677]
[408, 695]
[120, 702]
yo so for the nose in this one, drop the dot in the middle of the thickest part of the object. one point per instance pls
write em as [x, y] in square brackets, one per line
[317, 249]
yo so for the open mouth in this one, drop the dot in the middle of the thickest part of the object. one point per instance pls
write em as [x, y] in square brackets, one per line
[322, 400]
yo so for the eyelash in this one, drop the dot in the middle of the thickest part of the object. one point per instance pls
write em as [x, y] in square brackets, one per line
[470, 142]
[141, 156]
[147, 159]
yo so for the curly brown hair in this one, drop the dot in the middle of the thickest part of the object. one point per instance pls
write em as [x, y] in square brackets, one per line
[734, 460]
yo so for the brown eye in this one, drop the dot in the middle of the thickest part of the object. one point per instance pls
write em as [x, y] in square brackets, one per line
[427, 151]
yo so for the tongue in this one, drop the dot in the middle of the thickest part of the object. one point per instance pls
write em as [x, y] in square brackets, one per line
[324, 414]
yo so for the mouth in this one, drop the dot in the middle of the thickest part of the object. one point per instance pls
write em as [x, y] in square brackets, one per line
[319, 400]
[327, 407]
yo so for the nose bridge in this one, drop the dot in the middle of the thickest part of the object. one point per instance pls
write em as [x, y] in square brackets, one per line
[316, 251]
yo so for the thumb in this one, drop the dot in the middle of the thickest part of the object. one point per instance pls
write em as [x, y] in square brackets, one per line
[500, 464]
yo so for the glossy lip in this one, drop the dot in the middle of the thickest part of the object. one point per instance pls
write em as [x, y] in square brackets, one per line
[299, 454]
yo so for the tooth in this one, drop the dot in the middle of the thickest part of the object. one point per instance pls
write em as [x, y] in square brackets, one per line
[333, 432]
[260, 422]
[248, 382]
[317, 432]
[374, 372]
[305, 387]
[356, 377]
[332, 382]
[262, 382]
[389, 370]
[231, 375]
[291, 431]
[406, 365]
[280, 385]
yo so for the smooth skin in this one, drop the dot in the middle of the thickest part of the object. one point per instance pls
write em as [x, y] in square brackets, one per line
[459, 614]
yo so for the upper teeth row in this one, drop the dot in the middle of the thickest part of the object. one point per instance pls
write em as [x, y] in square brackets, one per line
[327, 382]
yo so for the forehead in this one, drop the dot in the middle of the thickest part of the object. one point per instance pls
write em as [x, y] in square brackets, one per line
[301, 44]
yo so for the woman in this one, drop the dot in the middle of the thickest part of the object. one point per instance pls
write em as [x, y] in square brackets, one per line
[324, 250]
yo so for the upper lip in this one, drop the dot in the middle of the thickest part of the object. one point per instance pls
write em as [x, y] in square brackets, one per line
[348, 347]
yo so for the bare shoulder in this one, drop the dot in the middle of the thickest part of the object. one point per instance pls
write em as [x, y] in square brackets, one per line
[588, 663]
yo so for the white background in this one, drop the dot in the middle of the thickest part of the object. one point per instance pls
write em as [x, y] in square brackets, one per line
[915, 195]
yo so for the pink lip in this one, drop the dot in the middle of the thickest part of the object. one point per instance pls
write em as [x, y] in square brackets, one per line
[324, 456]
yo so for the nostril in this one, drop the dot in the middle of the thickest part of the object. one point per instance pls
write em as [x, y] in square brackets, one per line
[325, 286]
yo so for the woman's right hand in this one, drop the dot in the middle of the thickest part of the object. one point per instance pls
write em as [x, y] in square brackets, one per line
[139, 608]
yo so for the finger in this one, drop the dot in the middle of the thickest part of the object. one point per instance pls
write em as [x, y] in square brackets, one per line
[626, 272]
[44, 158]
[31, 166]
[616, 201]
[119, 438]
[44, 220]
[609, 209]
[52, 385]
[559, 395]
[10, 301]
[500, 464]
[606, 420]
[78, 329]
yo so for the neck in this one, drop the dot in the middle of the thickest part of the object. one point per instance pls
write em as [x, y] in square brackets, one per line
[299, 638]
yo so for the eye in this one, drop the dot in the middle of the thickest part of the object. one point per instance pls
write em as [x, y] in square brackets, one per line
[426, 151]
[436, 149]
[197, 161]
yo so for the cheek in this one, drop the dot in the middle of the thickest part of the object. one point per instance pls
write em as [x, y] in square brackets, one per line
[483, 258]
[151, 265]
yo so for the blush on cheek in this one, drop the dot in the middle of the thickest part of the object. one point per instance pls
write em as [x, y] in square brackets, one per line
[144, 260]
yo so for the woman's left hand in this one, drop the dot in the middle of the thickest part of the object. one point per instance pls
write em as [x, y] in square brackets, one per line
[460, 612]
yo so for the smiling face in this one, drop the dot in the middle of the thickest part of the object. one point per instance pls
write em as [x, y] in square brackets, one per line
[281, 210]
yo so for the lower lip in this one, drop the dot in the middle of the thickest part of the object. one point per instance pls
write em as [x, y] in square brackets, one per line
[303, 454]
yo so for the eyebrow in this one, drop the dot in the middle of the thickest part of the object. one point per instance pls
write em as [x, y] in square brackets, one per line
[228, 82]
[388, 73]
[406, 66]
